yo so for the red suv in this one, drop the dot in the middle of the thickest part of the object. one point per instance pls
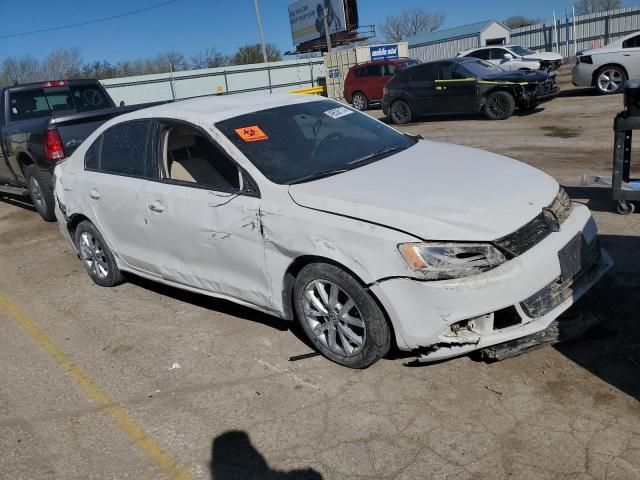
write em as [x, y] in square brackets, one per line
[364, 82]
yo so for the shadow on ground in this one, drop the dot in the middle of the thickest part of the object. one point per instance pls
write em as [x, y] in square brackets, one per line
[598, 199]
[233, 457]
[611, 350]
[17, 201]
[578, 92]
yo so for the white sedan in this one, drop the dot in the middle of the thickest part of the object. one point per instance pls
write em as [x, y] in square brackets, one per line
[515, 57]
[307, 209]
[609, 67]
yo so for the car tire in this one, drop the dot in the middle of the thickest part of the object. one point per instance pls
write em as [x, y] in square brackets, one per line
[96, 257]
[610, 79]
[400, 112]
[359, 101]
[499, 106]
[354, 331]
[41, 192]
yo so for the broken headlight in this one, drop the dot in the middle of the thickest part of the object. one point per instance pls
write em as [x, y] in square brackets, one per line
[441, 261]
[561, 205]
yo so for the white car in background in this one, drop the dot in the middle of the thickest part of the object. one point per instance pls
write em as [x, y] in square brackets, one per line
[304, 208]
[609, 67]
[515, 57]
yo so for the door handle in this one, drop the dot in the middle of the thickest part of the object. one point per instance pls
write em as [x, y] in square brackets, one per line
[156, 206]
[95, 194]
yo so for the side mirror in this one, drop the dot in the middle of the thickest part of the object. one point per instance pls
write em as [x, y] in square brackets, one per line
[507, 57]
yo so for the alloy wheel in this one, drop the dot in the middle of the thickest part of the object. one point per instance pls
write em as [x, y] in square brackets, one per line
[610, 80]
[334, 318]
[36, 193]
[498, 106]
[400, 112]
[358, 102]
[93, 255]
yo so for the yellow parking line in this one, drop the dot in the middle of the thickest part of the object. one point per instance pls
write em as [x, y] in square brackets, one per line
[134, 431]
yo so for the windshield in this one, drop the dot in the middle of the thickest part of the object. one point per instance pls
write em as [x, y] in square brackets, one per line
[481, 68]
[311, 140]
[521, 51]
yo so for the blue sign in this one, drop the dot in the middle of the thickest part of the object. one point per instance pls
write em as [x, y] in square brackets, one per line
[384, 52]
[334, 73]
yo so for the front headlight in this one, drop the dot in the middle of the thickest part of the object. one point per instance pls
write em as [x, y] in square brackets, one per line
[440, 261]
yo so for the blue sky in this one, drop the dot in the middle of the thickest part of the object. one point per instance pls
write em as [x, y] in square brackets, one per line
[189, 26]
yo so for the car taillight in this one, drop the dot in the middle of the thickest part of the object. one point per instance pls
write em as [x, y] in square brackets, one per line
[585, 59]
[54, 83]
[53, 149]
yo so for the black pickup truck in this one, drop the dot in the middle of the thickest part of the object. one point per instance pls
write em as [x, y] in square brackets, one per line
[41, 124]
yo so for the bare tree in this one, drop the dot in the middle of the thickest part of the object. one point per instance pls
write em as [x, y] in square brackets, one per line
[210, 58]
[99, 70]
[62, 63]
[410, 23]
[170, 62]
[584, 7]
[253, 54]
[518, 21]
[16, 70]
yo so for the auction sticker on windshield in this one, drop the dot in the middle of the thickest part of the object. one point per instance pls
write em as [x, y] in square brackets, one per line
[338, 112]
[251, 134]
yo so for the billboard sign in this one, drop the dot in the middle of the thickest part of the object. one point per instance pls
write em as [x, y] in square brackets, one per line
[306, 18]
[384, 52]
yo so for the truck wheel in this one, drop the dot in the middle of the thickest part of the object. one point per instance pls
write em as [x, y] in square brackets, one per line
[360, 102]
[97, 259]
[41, 191]
[499, 106]
[339, 317]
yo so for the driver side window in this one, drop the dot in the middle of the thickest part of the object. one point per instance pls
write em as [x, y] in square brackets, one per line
[190, 157]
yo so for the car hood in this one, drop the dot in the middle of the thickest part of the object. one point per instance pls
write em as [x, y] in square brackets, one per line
[436, 191]
[543, 56]
[517, 76]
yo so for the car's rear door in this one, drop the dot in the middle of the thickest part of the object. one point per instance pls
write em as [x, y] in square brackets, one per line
[114, 180]
[205, 216]
[422, 88]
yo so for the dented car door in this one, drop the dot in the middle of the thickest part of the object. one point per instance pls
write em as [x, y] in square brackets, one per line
[206, 224]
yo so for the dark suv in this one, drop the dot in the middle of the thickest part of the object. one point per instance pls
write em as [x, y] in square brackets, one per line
[364, 83]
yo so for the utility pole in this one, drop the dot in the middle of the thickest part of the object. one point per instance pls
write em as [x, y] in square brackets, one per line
[261, 32]
[326, 29]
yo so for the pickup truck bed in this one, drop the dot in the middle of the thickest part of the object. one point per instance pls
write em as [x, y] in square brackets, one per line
[43, 123]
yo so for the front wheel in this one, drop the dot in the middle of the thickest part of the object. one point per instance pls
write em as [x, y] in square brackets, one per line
[400, 112]
[97, 259]
[41, 192]
[360, 102]
[610, 80]
[499, 106]
[339, 317]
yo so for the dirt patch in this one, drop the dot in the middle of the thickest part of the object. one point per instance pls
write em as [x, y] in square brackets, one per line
[560, 132]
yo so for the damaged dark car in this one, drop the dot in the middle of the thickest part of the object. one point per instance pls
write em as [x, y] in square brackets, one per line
[464, 86]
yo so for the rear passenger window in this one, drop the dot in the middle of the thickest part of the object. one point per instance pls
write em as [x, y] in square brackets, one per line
[424, 73]
[633, 42]
[481, 54]
[121, 150]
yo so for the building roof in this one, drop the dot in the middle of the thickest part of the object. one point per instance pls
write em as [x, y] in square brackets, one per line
[449, 33]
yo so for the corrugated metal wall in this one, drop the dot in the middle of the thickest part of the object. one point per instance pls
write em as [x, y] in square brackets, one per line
[446, 49]
[592, 30]
[275, 77]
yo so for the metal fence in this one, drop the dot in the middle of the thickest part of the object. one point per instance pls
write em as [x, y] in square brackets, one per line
[591, 31]
[272, 77]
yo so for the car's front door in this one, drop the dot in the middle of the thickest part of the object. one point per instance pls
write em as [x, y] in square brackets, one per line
[114, 179]
[631, 57]
[497, 58]
[205, 218]
[455, 89]
[422, 88]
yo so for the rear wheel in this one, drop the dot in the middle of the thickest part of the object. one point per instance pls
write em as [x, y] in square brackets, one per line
[360, 102]
[499, 106]
[610, 80]
[339, 317]
[97, 259]
[41, 192]
[400, 112]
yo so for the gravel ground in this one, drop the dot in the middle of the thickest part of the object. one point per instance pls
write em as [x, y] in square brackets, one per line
[171, 380]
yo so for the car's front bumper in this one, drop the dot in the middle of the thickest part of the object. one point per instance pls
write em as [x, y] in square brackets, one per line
[432, 318]
[582, 75]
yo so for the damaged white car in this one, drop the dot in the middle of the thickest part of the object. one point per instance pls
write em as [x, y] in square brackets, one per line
[304, 208]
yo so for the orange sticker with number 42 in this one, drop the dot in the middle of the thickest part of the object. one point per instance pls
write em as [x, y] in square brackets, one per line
[251, 134]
